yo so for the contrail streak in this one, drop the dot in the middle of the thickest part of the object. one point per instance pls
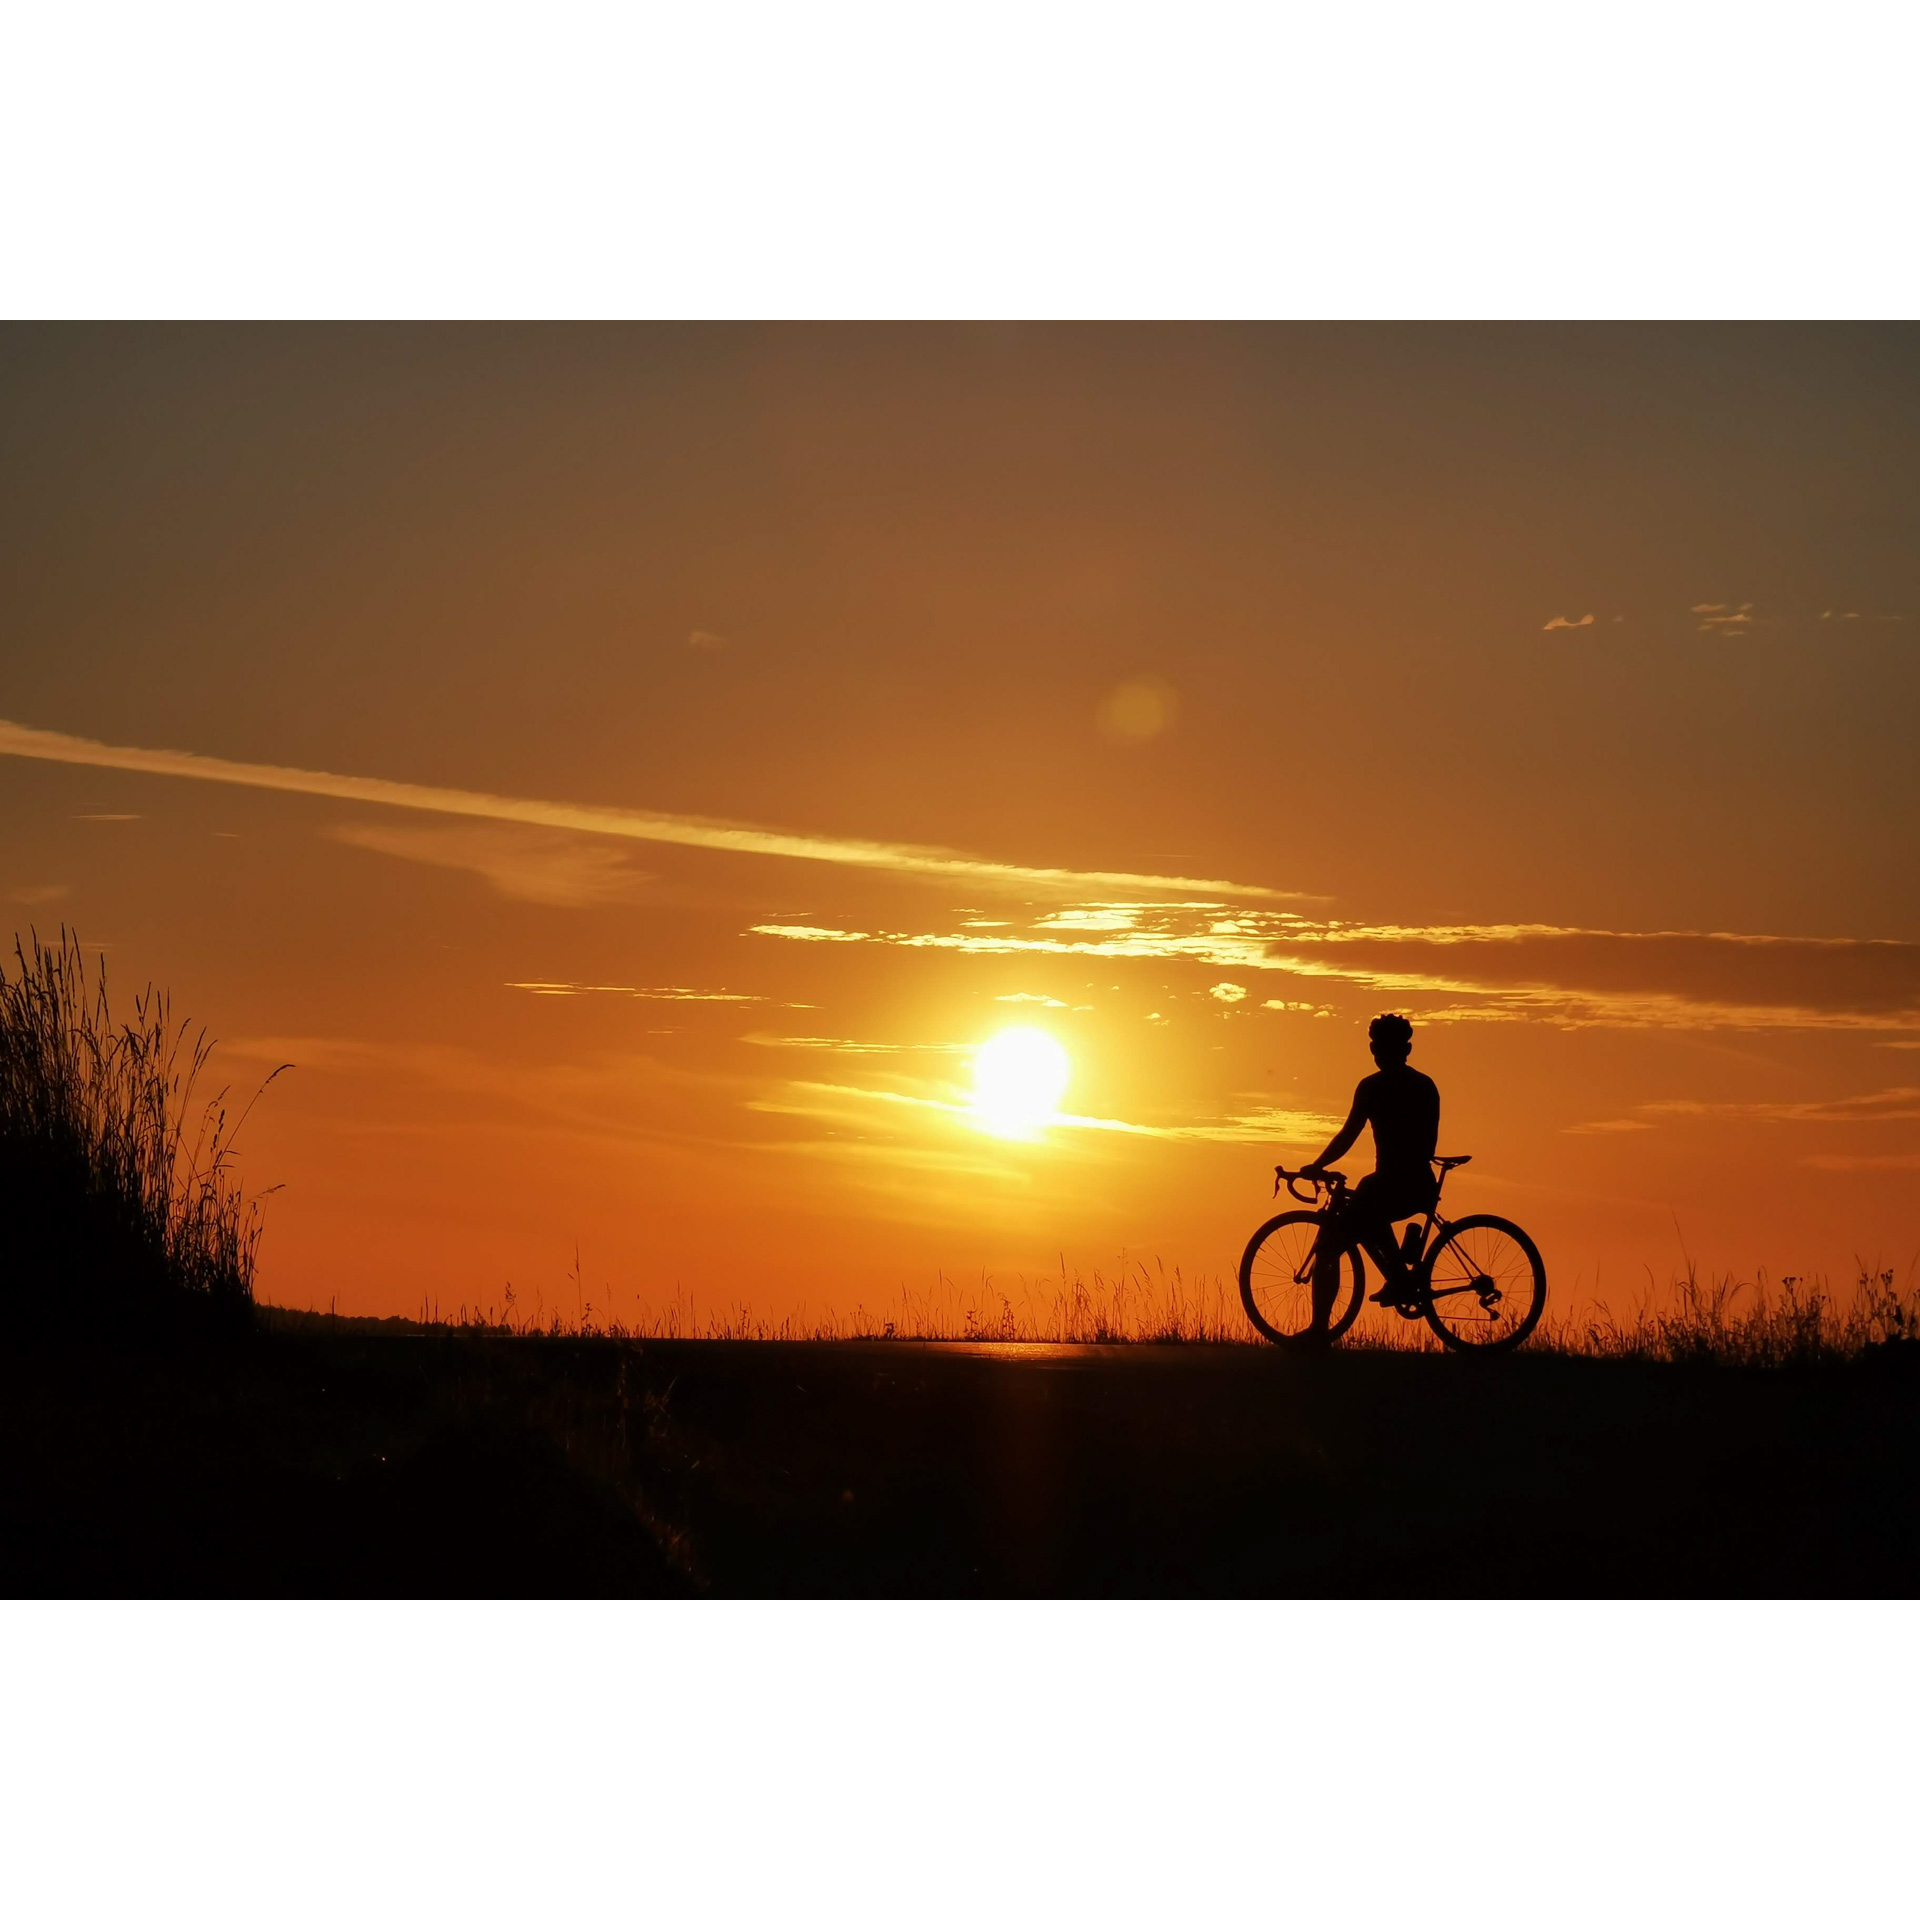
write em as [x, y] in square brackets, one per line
[623, 823]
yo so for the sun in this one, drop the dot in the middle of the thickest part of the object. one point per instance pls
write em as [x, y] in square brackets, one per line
[1018, 1078]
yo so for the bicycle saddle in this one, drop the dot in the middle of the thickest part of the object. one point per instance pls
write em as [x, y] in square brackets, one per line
[1451, 1159]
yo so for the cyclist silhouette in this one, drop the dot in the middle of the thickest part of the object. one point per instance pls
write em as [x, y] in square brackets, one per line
[1403, 1107]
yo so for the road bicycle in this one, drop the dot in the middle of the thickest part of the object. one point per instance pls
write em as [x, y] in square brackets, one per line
[1479, 1283]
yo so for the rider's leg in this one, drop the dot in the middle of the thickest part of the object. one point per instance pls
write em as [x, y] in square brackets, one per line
[1328, 1253]
[1375, 1207]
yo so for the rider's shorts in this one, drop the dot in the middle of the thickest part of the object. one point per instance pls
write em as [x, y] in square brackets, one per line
[1382, 1198]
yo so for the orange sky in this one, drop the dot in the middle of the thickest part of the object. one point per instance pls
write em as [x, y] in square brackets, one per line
[1189, 693]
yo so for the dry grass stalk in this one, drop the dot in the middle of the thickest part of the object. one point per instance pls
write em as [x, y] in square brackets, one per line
[110, 1210]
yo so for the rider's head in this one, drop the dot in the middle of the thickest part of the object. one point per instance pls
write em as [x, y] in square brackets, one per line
[1391, 1038]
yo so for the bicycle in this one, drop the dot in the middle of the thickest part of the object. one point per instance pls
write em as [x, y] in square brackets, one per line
[1479, 1282]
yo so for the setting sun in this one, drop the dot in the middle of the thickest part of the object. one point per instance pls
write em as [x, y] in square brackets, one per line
[1018, 1078]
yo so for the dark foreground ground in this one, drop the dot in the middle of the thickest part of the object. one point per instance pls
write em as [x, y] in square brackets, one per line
[309, 1462]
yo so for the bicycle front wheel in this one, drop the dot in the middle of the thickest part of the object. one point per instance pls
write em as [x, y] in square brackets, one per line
[1280, 1293]
[1486, 1285]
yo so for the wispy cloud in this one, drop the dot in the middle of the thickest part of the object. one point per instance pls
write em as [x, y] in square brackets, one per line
[523, 863]
[570, 989]
[1891, 1103]
[819, 1043]
[1561, 620]
[685, 830]
[1281, 1125]
[1284, 1125]
[1720, 616]
[1861, 1162]
[39, 896]
[1836, 613]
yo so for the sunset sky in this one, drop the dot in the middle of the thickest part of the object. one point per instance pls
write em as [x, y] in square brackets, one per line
[629, 771]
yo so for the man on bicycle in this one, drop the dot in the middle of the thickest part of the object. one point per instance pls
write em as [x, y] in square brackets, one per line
[1403, 1107]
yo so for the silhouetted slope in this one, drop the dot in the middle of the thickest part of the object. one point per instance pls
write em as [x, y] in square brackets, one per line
[443, 1464]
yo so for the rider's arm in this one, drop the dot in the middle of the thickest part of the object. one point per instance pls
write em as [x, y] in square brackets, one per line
[1342, 1140]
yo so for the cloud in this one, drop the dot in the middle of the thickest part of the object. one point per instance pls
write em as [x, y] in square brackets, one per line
[863, 1153]
[617, 1097]
[1717, 616]
[38, 896]
[1834, 613]
[1561, 620]
[783, 932]
[704, 642]
[569, 989]
[684, 830]
[1566, 976]
[1891, 1103]
[549, 869]
[1031, 1000]
[1861, 1162]
[1228, 991]
[821, 1044]
[1585, 976]
[1278, 1124]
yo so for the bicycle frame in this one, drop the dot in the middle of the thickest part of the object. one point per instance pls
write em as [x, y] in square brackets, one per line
[1332, 1204]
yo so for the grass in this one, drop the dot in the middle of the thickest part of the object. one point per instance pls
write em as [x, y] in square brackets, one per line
[1747, 1323]
[1144, 1305]
[114, 1215]
[1715, 1320]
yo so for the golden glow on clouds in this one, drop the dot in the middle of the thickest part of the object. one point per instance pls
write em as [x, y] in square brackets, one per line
[1568, 977]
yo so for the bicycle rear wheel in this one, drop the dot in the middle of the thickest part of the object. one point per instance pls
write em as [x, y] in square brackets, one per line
[1277, 1284]
[1486, 1285]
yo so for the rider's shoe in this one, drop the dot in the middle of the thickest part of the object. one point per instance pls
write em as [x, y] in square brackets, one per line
[1397, 1293]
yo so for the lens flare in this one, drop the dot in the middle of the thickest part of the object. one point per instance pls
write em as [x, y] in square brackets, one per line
[1018, 1078]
